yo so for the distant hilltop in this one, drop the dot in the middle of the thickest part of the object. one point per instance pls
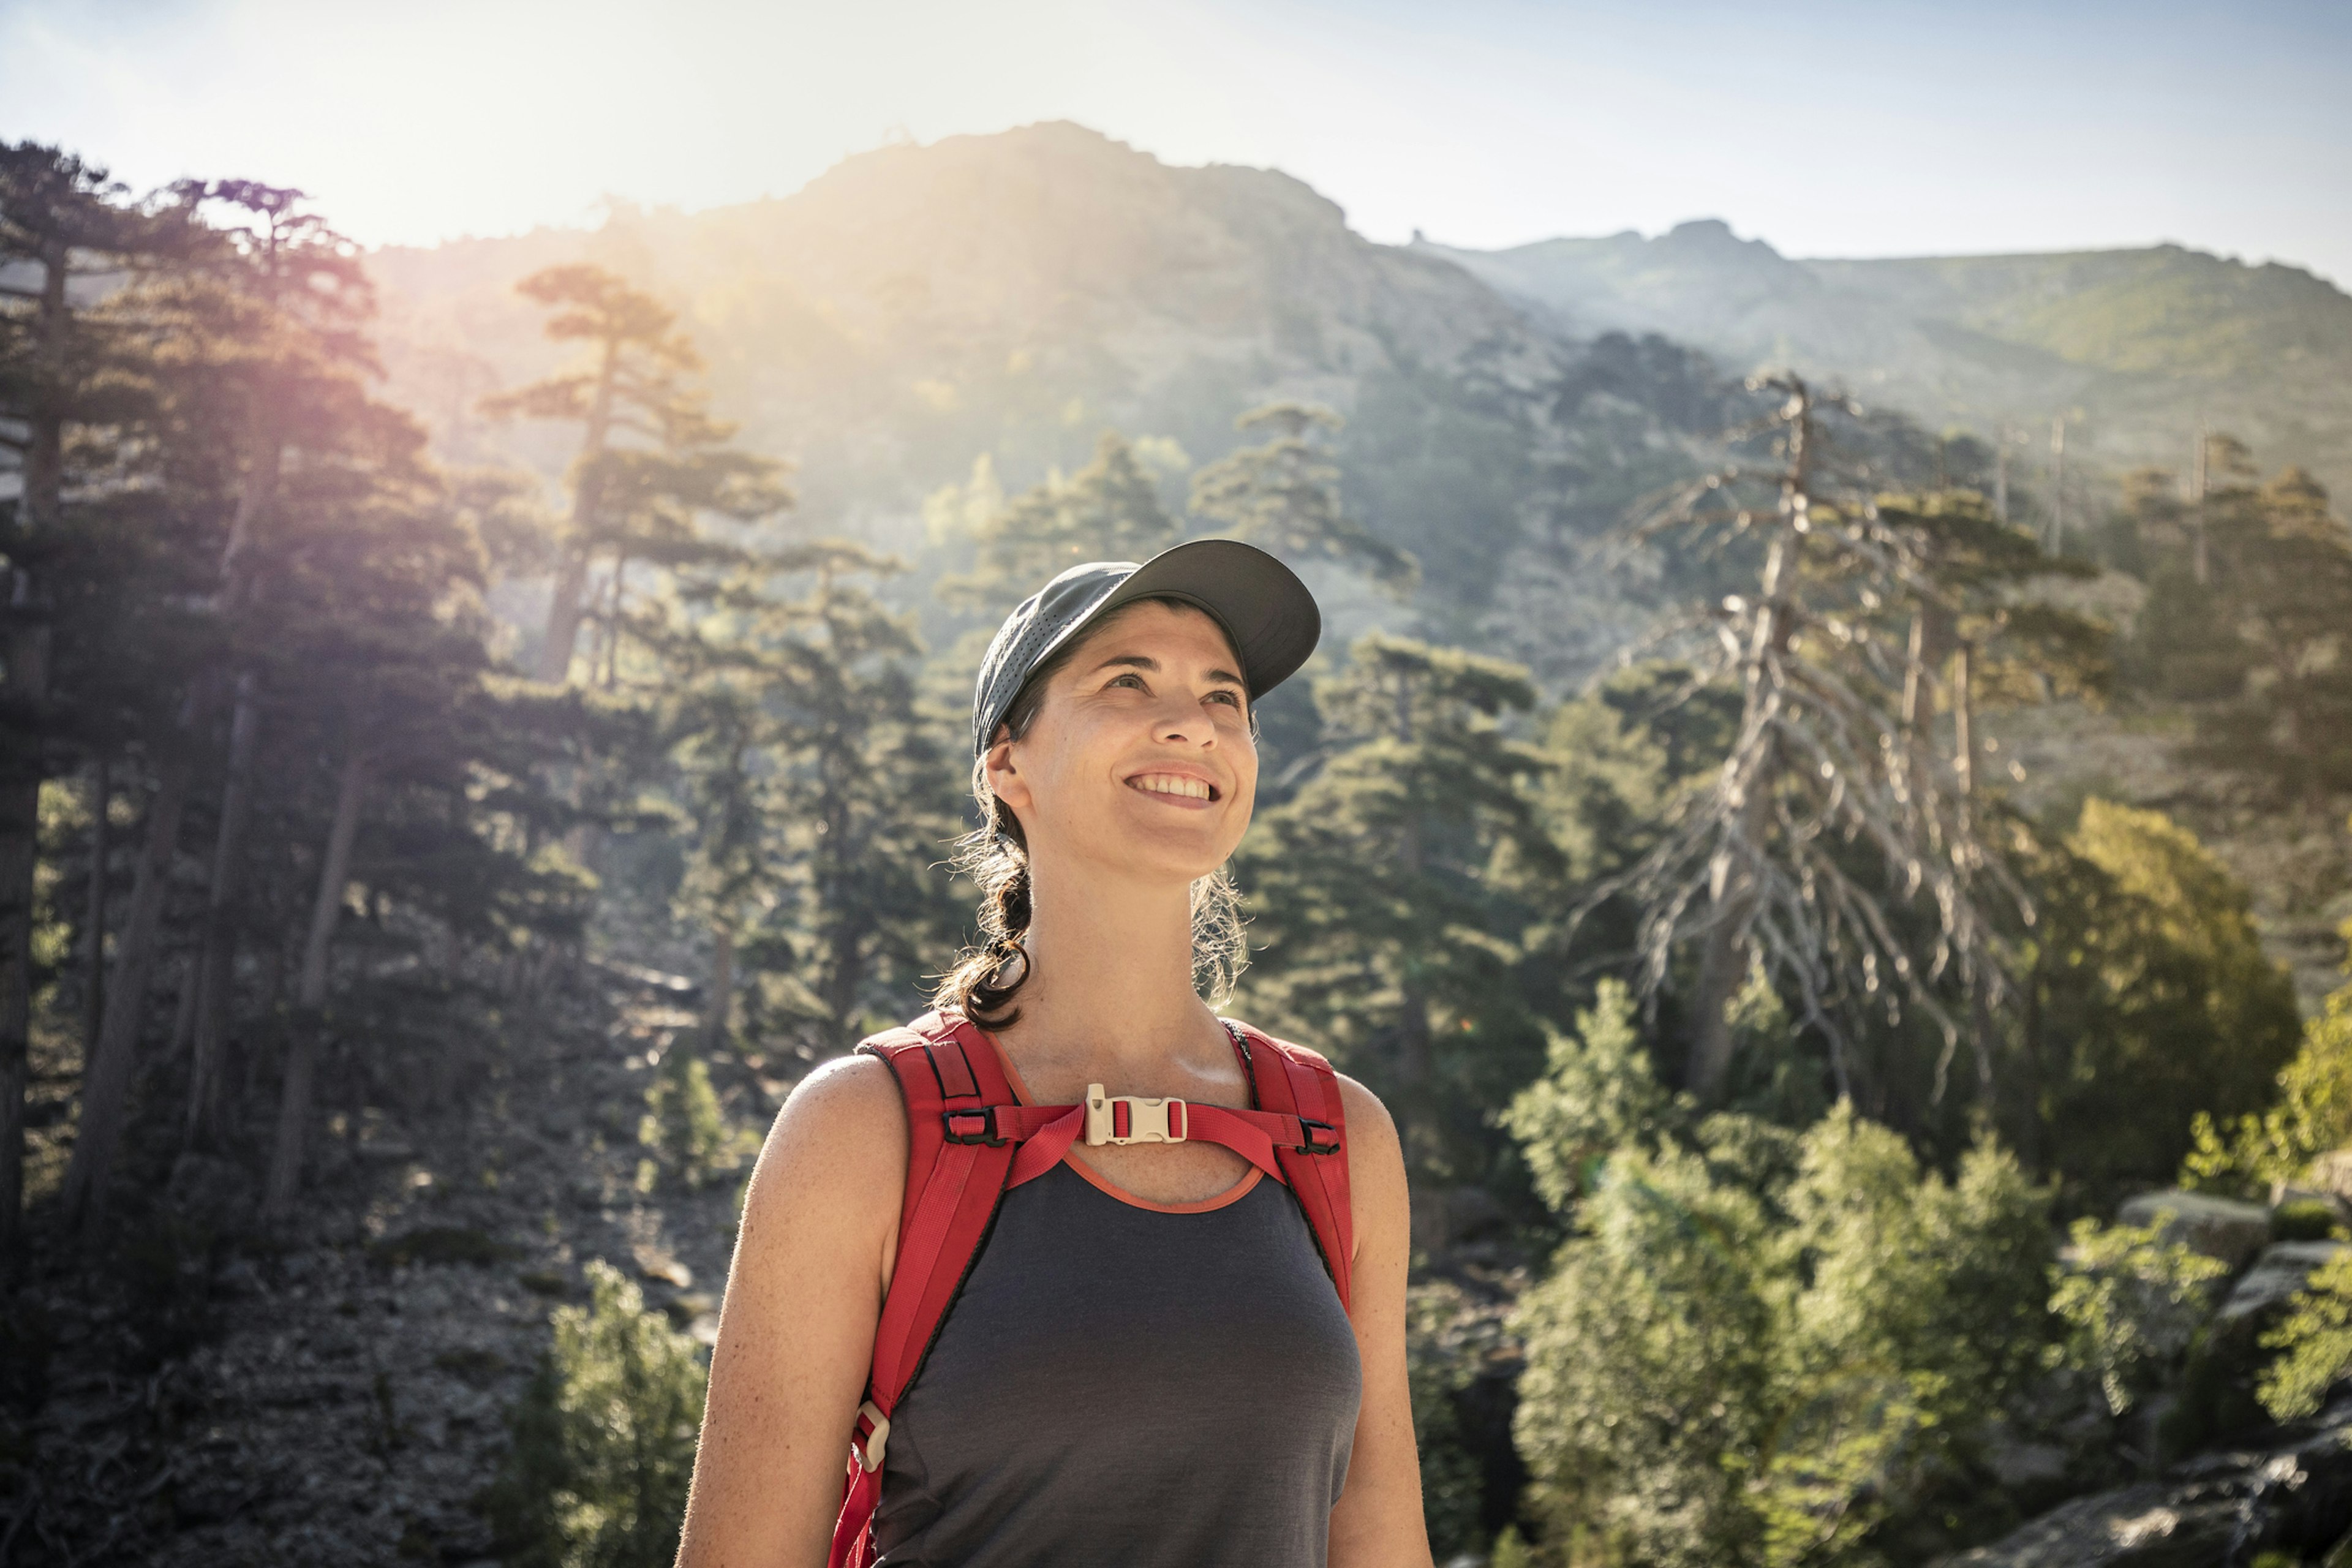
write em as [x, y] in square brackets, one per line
[2141, 344]
[1015, 294]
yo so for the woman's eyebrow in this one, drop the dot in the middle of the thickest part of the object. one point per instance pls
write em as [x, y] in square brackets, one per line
[1144, 661]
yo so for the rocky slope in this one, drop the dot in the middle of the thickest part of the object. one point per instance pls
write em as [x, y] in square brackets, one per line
[340, 1396]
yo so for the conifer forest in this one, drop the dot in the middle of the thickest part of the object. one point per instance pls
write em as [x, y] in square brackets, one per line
[1843, 879]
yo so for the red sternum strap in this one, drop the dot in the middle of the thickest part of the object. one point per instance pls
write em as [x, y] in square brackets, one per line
[1046, 1131]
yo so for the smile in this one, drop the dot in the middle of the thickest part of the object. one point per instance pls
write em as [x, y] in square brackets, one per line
[1174, 787]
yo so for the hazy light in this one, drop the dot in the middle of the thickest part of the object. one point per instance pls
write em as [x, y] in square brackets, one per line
[1856, 129]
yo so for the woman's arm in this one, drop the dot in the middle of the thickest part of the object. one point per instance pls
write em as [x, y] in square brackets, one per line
[796, 1329]
[1378, 1521]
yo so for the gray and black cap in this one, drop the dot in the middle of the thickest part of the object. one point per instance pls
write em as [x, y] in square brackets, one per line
[1266, 613]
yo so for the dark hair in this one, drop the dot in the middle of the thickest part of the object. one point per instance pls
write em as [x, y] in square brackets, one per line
[995, 855]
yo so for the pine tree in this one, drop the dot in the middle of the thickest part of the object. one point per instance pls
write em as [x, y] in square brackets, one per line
[1375, 894]
[1109, 511]
[651, 457]
[820, 795]
[60, 218]
[1283, 495]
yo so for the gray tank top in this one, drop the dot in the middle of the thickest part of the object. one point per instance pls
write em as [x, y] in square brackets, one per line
[1121, 1383]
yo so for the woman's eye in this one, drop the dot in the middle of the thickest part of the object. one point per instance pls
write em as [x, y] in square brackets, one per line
[1231, 698]
[1131, 678]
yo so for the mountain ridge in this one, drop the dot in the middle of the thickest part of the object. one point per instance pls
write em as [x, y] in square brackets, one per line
[2135, 347]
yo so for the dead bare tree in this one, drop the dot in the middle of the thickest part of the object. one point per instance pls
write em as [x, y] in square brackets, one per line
[1838, 847]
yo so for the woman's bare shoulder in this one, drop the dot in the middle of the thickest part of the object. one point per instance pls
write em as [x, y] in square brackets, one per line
[839, 1141]
[1368, 1117]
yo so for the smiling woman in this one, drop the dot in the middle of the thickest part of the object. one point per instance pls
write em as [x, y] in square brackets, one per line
[1163, 1325]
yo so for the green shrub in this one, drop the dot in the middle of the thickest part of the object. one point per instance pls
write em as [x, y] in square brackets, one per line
[2153, 1003]
[2132, 1302]
[2316, 1342]
[1718, 1376]
[684, 1125]
[1598, 1095]
[2313, 1114]
[603, 1438]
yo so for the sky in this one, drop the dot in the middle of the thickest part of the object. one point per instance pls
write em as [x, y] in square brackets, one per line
[1828, 128]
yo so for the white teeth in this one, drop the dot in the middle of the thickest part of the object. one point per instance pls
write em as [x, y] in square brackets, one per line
[1171, 783]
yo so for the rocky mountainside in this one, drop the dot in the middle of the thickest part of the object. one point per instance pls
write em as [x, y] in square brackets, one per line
[2142, 344]
[342, 1394]
[1010, 297]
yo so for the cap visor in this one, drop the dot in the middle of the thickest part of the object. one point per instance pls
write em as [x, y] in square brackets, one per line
[1271, 620]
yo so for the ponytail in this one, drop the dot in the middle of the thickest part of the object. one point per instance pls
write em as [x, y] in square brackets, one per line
[996, 856]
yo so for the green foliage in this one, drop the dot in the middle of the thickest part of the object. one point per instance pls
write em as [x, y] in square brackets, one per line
[1388, 892]
[2150, 998]
[1598, 1094]
[2312, 1115]
[683, 1124]
[1725, 1376]
[1284, 495]
[603, 1438]
[1109, 511]
[2131, 1303]
[819, 794]
[1440, 1363]
[2315, 1339]
[1510, 1550]
[1642, 1409]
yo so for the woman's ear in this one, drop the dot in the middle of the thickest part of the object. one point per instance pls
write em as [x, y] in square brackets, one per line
[1004, 779]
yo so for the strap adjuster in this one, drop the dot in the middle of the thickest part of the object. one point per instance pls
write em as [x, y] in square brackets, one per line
[1132, 1119]
[869, 1454]
[1313, 1147]
[976, 1124]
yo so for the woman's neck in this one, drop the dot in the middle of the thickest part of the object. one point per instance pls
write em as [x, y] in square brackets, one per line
[1111, 974]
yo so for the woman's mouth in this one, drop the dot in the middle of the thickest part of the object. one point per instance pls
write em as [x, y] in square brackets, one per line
[1176, 789]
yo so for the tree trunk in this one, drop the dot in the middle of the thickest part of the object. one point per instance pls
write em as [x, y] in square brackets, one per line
[25, 645]
[564, 614]
[183, 1013]
[564, 608]
[1723, 958]
[719, 1007]
[217, 954]
[311, 996]
[20, 816]
[101, 850]
[106, 1078]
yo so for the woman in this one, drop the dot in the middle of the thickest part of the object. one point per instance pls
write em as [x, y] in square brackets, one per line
[1148, 1363]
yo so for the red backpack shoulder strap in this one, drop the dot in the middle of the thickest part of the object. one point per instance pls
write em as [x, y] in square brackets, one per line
[1297, 1082]
[950, 1077]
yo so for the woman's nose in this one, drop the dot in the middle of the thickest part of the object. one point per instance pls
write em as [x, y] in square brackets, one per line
[1180, 719]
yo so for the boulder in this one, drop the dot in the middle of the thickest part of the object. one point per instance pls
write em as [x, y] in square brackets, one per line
[2285, 1268]
[2292, 1494]
[2217, 1227]
[2331, 1173]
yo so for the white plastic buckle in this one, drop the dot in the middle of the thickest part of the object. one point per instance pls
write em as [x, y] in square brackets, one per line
[1148, 1120]
[869, 1453]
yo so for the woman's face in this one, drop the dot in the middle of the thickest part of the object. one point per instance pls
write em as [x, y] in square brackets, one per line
[1139, 760]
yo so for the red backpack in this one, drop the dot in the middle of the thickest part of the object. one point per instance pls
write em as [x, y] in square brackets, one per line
[971, 1141]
